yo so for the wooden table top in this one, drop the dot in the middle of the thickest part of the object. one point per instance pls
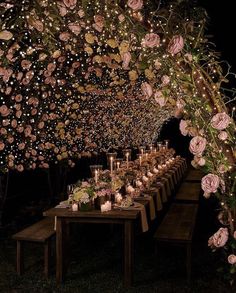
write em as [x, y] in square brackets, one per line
[113, 214]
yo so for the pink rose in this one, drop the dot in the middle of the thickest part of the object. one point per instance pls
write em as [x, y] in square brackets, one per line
[232, 259]
[21, 146]
[223, 135]
[18, 114]
[175, 45]
[135, 4]
[219, 239]
[75, 28]
[159, 98]
[197, 145]
[121, 17]
[151, 40]
[18, 98]
[26, 64]
[41, 125]
[20, 168]
[126, 57]
[157, 64]
[2, 146]
[65, 36]
[222, 169]
[209, 184]
[220, 121]
[200, 161]
[81, 13]
[51, 67]
[146, 89]
[4, 111]
[183, 127]
[3, 131]
[188, 57]
[99, 23]
[165, 80]
[62, 8]
[70, 3]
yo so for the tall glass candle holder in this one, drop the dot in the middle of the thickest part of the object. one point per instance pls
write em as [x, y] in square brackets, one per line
[166, 141]
[95, 171]
[110, 161]
[142, 149]
[159, 145]
[127, 156]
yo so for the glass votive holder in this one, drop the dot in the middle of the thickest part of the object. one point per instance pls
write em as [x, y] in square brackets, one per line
[95, 171]
[142, 149]
[127, 156]
[117, 163]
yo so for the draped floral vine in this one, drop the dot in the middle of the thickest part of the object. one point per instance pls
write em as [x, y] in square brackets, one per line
[79, 77]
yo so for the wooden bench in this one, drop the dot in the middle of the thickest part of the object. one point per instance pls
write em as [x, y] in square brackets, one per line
[41, 232]
[194, 175]
[177, 228]
[188, 191]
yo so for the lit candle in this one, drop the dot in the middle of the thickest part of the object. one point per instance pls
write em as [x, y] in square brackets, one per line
[140, 159]
[96, 176]
[74, 207]
[118, 165]
[127, 159]
[111, 164]
[106, 206]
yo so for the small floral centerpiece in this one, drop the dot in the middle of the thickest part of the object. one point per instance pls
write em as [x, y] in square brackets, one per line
[103, 192]
[83, 194]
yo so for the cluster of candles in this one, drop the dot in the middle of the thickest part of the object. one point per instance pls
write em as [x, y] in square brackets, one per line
[106, 207]
[115, 163]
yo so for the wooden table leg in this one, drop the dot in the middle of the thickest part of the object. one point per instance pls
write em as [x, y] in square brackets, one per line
[60, 250]
[19, 257]
[128, 253]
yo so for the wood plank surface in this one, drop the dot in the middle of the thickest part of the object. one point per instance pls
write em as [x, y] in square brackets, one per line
[189, 191]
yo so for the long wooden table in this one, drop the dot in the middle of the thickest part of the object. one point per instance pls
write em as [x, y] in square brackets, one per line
[65, 216]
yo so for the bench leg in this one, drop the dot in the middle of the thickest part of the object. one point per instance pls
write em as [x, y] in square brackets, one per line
[19, 257]
[188, 262]
[47, 255]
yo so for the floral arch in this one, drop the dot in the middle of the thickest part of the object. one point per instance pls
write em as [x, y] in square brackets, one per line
[79, 77]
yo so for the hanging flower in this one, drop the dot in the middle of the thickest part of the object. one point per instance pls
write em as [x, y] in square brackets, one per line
[183, 127]
[75, 28]
[151, 40]
[99, 23]
[197, 145]
[126, 57]
[70, 3]
[220, 121]
[223, 135]
[146, 89]
[209, 184]
[219, 239]
[6, 35]
[165, 80]
[175, 45]
[232, 259]
[159, 98]
[135, 4]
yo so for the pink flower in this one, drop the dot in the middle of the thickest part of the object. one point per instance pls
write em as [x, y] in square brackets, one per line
[75, 28]
[26, 64]
[51, 67]
[175, 45]
[189, 57]
[219, 239]
[126, 57]
[121, 17]
[37, 24]
[197, 145]
[223, 135]
[65, 36]
[41, 125]
[2, 146]
[70, 3]
[62, 8]
[222, 169]
[232, 259]
[18, 98]
[20, 168]
[209, 184]
[146, 89]
[21, 146]
[151, 40]
[200, 161]
[165, 80]
[159, 98]
[18, 114]
[4, 111]
[99, 23]
[135, 4]
[5, 35]
[81, 13]
[220, 121]
[183, 127]
[157, 64]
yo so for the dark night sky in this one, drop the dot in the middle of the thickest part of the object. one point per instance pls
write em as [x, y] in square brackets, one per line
[222, 24]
